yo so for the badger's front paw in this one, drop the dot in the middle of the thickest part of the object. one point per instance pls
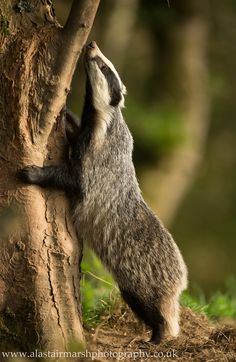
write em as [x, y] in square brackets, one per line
[30, 174]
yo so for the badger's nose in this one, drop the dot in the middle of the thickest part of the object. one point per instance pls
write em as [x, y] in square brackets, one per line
[92, 45]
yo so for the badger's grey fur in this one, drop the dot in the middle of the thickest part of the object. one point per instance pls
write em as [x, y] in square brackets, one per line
[108, 210]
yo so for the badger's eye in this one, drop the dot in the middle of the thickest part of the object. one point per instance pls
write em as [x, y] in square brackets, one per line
[103, 67]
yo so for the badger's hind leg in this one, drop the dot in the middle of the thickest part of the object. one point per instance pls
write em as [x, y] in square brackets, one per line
[147, 313]
[169, 309]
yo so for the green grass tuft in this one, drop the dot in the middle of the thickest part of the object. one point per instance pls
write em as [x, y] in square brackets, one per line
[220, 304]
[98, 289]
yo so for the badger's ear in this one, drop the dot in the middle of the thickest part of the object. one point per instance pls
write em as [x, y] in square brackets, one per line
[72, 126]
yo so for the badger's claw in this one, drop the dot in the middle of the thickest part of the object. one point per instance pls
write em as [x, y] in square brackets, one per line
[30, 174]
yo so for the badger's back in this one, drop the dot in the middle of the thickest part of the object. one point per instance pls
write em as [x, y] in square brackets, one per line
[113, 218]
[108, 175]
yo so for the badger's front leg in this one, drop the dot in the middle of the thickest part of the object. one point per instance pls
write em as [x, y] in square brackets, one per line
[49, 176]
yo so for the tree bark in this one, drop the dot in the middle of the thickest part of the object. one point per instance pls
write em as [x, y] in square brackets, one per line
[39, 253]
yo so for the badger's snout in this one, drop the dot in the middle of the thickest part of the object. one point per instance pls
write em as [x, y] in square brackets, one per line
[92, 50]
[92, 45]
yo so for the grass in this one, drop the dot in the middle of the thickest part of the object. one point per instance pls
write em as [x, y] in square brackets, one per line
[98, 290]
[221, 304]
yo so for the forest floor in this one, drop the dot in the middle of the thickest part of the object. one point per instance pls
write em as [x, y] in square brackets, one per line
[119, 337]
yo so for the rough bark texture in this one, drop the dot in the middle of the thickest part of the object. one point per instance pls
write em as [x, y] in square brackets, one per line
[39, 253]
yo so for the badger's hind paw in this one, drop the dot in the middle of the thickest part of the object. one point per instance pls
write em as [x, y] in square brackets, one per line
[30, 174]
[156, 337]
[145, 345]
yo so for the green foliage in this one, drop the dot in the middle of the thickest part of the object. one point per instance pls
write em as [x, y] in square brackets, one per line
[156, 131]
[4, 26]
[220, 304]
[98, 289]
[196, 302]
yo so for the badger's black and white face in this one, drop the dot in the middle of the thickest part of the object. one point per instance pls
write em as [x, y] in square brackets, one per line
[107, 87]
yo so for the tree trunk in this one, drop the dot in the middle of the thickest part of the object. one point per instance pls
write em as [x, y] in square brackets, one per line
[39, 253]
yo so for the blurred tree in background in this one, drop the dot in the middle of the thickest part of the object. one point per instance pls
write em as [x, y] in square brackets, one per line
[178, 63]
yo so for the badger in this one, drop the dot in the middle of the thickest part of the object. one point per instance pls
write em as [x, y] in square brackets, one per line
[108, 210]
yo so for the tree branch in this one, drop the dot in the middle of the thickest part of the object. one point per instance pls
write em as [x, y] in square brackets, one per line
[72, 39]
[81, 16]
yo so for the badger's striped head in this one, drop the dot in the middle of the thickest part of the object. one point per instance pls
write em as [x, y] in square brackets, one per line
[107, 88]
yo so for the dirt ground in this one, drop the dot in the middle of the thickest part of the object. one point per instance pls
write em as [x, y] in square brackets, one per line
[121, 337]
